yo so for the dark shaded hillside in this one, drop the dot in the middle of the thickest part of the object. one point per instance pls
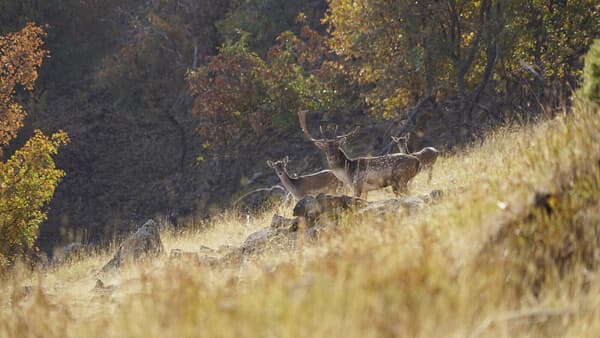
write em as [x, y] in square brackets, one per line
[123, 167]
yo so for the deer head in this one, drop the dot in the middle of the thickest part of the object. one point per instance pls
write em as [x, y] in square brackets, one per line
[402, 143]
[279, 166]
[328, 145]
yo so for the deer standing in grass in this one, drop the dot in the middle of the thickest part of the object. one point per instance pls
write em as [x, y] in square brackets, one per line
[363, 174]
[427, 155]
[312, 184]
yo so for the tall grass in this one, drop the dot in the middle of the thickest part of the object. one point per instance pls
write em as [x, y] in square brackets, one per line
[486, 261]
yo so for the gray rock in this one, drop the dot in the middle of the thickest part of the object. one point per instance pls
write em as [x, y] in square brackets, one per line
[312, 209]
[280, 222]
[145, 242]
[257, 241]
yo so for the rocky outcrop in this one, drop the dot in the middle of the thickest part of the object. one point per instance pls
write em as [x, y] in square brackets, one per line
[323, 207]
[313, 214]
[145, 242]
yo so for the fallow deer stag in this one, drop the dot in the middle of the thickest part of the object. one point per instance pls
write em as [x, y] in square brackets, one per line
[312, 184]
[364, 174]
[427, 155]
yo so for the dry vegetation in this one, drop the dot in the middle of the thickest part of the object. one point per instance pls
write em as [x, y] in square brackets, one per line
[489, 260]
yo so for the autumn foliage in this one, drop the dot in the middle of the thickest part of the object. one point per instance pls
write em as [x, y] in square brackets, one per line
[21, 55]
[239, 92]
[28, 177]
[402, 51]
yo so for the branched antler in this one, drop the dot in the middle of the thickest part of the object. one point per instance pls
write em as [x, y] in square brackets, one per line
[354, 131]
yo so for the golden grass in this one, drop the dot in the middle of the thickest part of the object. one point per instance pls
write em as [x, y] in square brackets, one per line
[433, 274]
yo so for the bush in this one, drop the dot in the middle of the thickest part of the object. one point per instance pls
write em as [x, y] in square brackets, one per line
[27, 182]
[29, 176]
[591, 73]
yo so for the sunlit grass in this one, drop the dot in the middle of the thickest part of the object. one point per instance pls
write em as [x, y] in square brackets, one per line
[434, 273]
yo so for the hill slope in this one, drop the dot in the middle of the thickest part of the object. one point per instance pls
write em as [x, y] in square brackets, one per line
[511, 250]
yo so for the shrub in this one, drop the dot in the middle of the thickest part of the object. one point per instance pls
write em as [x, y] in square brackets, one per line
[591, 73]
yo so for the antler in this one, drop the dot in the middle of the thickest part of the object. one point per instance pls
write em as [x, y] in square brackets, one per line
[322, 133]
[302, 118]
[350, 133]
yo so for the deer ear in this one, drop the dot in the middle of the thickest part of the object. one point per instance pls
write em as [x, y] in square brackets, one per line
[319, 143]
[270, 163]
[342, 140]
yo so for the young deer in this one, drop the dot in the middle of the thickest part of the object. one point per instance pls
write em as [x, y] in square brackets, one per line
[427, 155]
[364, 174]
[312, 184]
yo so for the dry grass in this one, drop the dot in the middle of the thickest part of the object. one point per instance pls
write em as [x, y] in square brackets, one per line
[484, 262]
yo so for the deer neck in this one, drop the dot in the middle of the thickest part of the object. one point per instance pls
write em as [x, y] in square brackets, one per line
[341, 166]
[290, 184]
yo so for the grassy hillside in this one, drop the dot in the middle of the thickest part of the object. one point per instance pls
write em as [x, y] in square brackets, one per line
[511, 250]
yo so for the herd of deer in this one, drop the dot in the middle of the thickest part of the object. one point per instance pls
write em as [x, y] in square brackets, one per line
[361, 174]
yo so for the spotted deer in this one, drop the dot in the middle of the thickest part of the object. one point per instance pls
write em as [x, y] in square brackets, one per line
[363, 174]
[427, 155]
[312, 184]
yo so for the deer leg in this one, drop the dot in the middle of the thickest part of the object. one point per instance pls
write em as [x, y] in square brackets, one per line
[400, 188]
[429, 174]
[358, 185]
[395, 189]
[289, 199]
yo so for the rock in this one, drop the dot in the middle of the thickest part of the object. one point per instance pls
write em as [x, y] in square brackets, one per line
[413, 204]
[145, 242]
[259, 240]
[311, 208]
[278, 222]
[381, 208]
[256, 199]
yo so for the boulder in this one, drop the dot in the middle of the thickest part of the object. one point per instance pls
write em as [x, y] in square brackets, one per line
[259, 240]
[145, 242]
[280, 222]
[325, 207]
[256, 199]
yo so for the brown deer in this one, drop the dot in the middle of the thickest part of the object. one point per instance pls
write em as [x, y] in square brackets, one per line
[427, 155]
[312, 184]
[363, 174]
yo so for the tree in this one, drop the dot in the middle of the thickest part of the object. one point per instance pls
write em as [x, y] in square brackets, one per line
[266, 19]
[402, 51]
[239, 95]
[591, 73]
[28, 177]
[230, 95]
